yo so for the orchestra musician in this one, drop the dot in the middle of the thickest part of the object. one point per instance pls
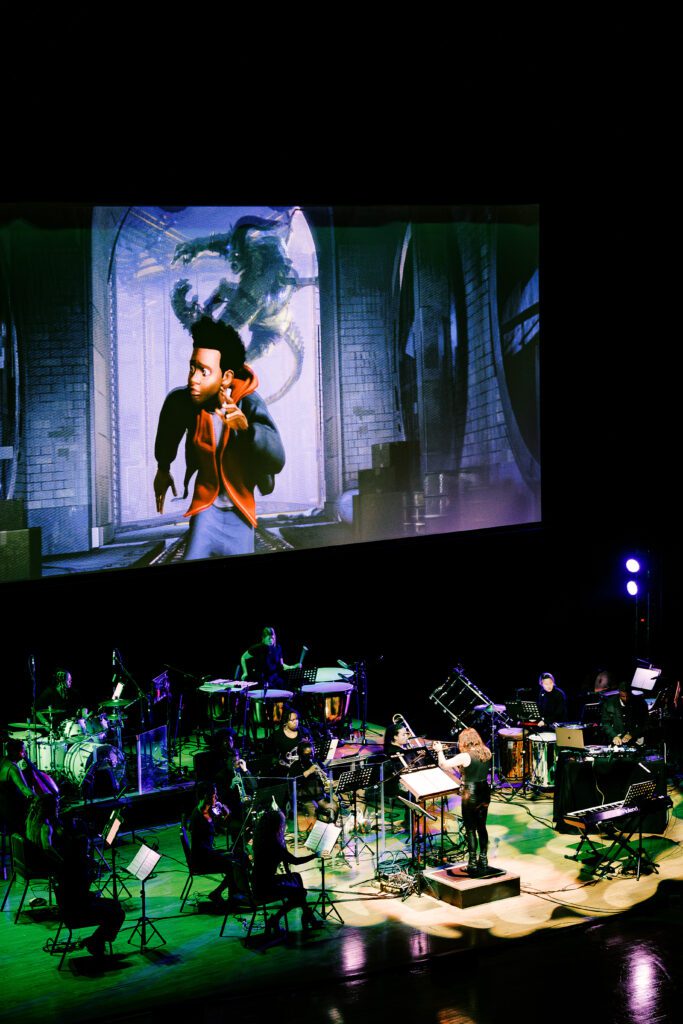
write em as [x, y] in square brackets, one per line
[286, 739]
[270, 851]
[64, 848]
[624, 717]
[313, 787]
[263, 662]
[205, 859]
[19, 786]
[61, 697]
[472, 765]
[552, 701]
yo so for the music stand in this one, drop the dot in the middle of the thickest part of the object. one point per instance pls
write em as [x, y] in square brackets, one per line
[141, 866]
[354, 779]
[109, 833]
[430, 784]
[637, 796]
[418, 813]
[528, 714]
[321, 840]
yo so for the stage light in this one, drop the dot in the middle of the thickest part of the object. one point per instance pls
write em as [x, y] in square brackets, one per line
[632, 588]
[632, 565]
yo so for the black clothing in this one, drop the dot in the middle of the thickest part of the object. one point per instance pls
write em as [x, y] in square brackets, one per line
[617, 719]
[265, 665]
[70, 702]
[204, 858]
[311, 794]
[79, 906]
[268, 884]
[552, 706]
[283, 745]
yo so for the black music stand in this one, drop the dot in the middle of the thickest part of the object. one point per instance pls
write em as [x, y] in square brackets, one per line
[351, 781]
[418, 844]
[109, 833]
[141, 866]
[528, 714]
[321, 839]
[637, 796]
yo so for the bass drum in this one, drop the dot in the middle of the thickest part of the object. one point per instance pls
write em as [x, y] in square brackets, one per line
[88, 756]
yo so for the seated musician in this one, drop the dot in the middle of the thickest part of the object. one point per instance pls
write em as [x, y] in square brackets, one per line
[65, 849]
[205, 859]
[313, 789]
[264, 663]
[624, 718]
[552, 701]
[61, 697]
[270, 851]
[395, 739]
[286, 739]
[15, 792]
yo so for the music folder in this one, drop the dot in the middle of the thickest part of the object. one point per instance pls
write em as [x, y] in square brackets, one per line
[428, 782]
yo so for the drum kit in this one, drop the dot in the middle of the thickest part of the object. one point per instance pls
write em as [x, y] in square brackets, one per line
[324, 702]
[70, 749]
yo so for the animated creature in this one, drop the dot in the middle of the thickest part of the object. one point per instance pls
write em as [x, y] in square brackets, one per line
[255, 250]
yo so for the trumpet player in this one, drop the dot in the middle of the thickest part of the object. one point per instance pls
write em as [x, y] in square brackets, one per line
[313, 792]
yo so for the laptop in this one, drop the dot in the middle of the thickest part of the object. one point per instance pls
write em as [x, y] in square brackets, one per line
[570, 736]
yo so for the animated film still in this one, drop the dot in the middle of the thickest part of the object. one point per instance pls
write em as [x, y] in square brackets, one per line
[179, 383]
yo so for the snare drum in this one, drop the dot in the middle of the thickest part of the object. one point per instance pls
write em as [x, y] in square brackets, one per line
[326, 702]
[542, 759]
[511, 754]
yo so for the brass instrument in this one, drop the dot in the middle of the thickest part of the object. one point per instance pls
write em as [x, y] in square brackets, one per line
[413, 740]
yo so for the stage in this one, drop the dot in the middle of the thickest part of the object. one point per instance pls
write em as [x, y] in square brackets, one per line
[384, 939]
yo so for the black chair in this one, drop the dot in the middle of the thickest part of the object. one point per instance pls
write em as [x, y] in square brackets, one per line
[28, 865]
[191, 871]
[256, 907]
[71, 922]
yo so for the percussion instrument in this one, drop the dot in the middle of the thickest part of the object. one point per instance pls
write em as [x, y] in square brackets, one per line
[511, 754]
[72, 729]
[326, 702]
[491, 708]
[268, 709]
[334, 674]
[49, 755]
[87, 754]
[541, 753]
[15, 729]
[225, 698]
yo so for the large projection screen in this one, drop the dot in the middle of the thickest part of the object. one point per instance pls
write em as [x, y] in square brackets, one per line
[396, 351]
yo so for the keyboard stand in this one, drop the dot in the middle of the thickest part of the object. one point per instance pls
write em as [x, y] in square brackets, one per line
[585, 841]
[623, 842]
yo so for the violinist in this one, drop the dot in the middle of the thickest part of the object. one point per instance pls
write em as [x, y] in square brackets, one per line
[313, 788]
[206, 817]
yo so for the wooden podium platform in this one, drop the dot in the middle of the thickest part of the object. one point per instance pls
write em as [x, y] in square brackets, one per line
[459, 890]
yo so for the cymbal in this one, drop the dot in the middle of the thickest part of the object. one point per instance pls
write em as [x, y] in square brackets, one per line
[115, 703]
[498, 708]
[28, 726]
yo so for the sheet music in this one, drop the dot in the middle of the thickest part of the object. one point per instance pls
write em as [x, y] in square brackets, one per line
[322, 837]
[143, 863]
